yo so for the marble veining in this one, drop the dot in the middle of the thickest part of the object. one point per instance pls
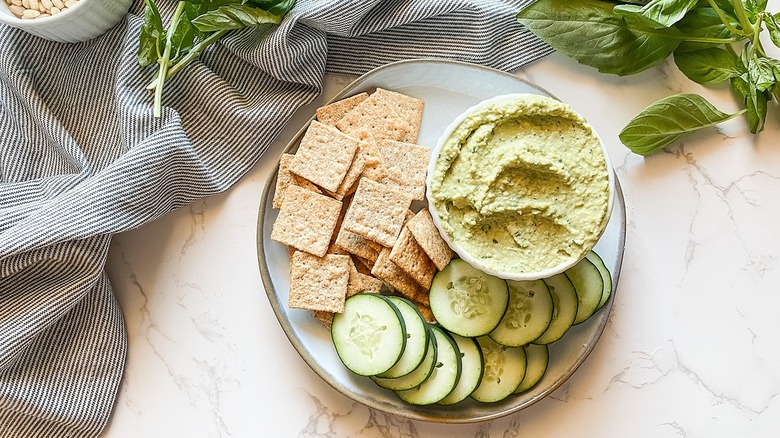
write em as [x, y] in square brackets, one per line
[692, 348]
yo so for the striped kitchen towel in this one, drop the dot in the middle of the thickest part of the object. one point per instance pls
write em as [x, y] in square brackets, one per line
[82, 158]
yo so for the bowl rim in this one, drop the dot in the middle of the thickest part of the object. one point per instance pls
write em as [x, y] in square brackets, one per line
[15, 21]
[465, 255]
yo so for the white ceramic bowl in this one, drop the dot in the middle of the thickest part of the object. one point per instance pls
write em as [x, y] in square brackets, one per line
[468, 257]
[81, 22]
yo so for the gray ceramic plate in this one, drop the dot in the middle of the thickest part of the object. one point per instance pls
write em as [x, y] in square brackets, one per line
[448, 88]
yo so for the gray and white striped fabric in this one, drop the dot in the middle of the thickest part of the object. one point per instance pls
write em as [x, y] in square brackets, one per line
[81, 158]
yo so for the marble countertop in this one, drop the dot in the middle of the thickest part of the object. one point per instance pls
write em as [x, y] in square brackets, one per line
[692, 347]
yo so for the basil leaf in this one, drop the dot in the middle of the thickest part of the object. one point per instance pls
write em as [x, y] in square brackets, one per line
[754, 7]
[183, 37]
[276, 7]
[591, 33]
[229, 17]
[667, 12]
[634, 12]
[707, 66]
[755, 103]
[773, 27]
[665, 120]
[761, 73]
[704, 22]
[152, 36]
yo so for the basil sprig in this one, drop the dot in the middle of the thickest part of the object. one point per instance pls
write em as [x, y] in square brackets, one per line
[712, 41]
[195, 25]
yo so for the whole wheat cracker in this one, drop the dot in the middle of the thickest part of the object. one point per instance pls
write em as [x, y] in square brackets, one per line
[374, 115]
[306, 221]
[408, 108]
[357, 245]
[428, 237]
[285, 178]
[318, 283]
[395, 277]
[333, 112]
[402, 165]
[412, 259]
[324, 156]
[349, 183]
[359, 282]
[377, 212]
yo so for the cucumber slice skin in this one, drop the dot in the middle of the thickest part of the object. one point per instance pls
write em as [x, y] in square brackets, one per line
[417, 333]
[472, 368]
[537, 360]
[589, 285]
[606, 276]
[466, 301]
[499, 383]
[565, 304]
[382, 336]
[416, 377]
[528, 313]
[445, 374]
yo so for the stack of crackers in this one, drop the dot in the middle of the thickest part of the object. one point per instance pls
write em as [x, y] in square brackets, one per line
[345, 206]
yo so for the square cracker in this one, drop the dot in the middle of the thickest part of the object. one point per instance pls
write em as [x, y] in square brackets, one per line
[412, 259]
[324, 156]
[333, 112]
[285, 179]
[377, 212]
[388, 272]
[349, 184]
[428, 237]
[306, 220]
[403, 165]
[408, 108]
[376, 116]
[359, 282]
[323, 316]
[357, 245]
[318, 283]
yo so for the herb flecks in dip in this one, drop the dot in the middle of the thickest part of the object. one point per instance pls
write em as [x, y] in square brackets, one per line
[522, 185]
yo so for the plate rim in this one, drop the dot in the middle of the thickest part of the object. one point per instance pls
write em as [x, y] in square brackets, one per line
[310, 360]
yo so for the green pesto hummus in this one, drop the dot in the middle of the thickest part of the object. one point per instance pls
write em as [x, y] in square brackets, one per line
[522, 185]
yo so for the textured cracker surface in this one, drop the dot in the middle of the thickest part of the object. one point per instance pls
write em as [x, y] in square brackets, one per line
[318, 283]
[324, 156]
[377, 212]
[306, 221]
[428, 237]
[408, 255]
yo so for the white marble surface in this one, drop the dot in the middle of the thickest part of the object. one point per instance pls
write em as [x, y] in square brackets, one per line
[692, 347]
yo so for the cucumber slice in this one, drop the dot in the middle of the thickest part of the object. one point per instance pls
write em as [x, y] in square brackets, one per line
[417, 333]
[445, 374]
[587, 281]
[466, 301]
[565, 303]
[470, 371]
[537, 359]
[504, 370]
[416, 377]
[605, 276]
[527, 316]
[369, 335]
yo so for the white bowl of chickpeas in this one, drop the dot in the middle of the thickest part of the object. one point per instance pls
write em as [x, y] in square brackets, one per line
[63, 20]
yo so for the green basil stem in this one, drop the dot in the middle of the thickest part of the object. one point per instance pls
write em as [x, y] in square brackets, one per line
[725, 20]
[710, 40]
[165, 60]
[756, 40]
[739, 9]
[189, 57]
